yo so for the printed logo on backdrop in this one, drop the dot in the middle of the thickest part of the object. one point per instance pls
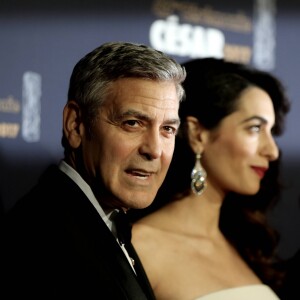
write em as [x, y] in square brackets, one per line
[29, 107]
[185, 29]
[188, 29]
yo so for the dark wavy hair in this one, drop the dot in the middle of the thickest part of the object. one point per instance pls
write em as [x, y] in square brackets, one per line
[212, 89]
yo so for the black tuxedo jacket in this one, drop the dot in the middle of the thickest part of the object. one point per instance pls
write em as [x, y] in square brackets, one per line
[56, 246]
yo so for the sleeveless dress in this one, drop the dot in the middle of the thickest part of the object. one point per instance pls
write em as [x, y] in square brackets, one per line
[250, 292]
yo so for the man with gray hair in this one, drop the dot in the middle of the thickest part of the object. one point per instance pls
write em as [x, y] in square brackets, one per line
[62, 239]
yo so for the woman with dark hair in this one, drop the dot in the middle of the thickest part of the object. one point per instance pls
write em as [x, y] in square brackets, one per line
[207, 235]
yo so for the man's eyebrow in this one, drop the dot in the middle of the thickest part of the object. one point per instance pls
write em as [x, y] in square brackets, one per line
[145, 117]
[137, 114]
[263, 120]
[175, 121]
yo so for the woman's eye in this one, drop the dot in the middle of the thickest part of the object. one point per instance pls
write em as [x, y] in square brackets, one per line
[255, 128]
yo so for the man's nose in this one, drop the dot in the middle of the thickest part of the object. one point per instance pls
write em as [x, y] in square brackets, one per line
[151, 146]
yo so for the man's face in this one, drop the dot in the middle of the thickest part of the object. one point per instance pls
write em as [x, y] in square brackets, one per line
[132, 141]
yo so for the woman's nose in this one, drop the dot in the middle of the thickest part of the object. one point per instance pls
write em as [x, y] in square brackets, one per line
[270, 148]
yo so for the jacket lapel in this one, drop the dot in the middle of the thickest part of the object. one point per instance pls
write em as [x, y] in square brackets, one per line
[90, 229]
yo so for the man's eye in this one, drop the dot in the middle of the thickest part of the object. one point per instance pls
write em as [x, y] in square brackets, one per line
[131, 123]
[170, 129]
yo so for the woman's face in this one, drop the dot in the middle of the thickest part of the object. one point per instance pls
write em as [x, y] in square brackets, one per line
[236, 155]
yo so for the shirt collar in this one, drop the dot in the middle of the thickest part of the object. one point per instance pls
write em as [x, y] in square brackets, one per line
[75, 176]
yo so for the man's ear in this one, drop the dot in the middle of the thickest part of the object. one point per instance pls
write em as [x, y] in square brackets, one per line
[197, 134]
[72, 124]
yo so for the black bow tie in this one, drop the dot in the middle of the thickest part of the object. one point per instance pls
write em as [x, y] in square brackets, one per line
[123, 228]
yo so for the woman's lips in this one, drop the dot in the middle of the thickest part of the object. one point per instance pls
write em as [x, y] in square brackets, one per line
[261, 171]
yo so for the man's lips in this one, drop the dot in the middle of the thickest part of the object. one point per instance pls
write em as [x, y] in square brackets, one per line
[261, 171]
[139, 173]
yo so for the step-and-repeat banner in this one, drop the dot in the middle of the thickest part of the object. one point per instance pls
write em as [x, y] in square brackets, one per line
[40, 42]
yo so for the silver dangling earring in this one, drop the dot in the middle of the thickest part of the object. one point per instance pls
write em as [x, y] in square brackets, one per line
[198, 177]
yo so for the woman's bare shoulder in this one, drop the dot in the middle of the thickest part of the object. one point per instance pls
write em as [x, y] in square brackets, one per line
[147, 230]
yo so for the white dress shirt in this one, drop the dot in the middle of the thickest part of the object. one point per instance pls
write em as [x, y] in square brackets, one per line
[104, 214]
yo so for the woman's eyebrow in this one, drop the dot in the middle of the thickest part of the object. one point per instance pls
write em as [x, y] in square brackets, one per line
[263, 120]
